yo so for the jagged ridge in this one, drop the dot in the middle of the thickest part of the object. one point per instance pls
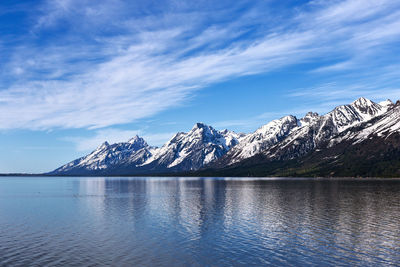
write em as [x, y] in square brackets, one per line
[284, 140]
[183, 152]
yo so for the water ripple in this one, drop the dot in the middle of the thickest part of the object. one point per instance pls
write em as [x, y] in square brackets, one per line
[199, 222]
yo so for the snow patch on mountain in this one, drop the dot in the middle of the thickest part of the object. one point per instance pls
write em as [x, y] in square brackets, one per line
[388, 124]
[265, 136]
[386, 104]
[134, 152]
[201, 145]
[316, 130]
[309, 118]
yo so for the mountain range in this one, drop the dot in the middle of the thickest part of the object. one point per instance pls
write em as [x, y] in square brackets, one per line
[358, 139]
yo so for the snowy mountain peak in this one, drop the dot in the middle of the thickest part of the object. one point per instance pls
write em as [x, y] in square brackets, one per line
[362, 101]
[104, 145]
[309, 118]
[137, 142]
[263, 138]
[367, 108]
[200, 125]
[134, 139]
[106, 156]
[345, 116]
[192, 150]
[277, 124]
[387, 103]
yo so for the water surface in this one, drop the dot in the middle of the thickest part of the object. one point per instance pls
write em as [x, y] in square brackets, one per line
[199, 222]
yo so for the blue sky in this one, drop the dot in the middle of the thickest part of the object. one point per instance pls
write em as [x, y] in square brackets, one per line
[75, 73]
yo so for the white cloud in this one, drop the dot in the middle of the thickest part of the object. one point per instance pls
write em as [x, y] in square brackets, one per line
[149, 68]
[332, 94]
[335, 67]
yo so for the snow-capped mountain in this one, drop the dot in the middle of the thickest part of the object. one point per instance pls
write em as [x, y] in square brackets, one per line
[278, 142]
[381, 126]
[259, 141]
[360, 110]
[289, 137]
[367, 149]
[184, 152]
[314, 130]
[106, 156]
[193, 150]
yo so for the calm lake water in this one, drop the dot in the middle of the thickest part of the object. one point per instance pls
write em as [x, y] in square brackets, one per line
[199, 222]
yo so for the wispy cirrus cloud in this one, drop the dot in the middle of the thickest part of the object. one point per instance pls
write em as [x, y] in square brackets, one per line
[114, 62]
[336, 93]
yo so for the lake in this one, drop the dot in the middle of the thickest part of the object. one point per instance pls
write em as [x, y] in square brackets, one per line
[74, 221]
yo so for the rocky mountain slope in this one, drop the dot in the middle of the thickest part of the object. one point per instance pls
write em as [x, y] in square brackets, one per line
[314, 130]
[370, 148]
[193, 150]
[363, 131]
[262, 139]
[288, 137]
[109, 157]
[183, 152]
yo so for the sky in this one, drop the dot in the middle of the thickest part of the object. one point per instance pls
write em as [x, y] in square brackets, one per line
[76, 73]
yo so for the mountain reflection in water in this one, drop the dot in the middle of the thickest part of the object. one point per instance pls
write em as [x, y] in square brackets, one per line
[199, 221]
